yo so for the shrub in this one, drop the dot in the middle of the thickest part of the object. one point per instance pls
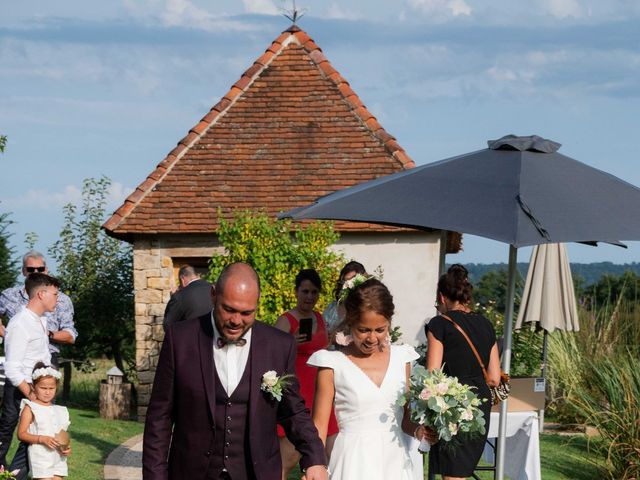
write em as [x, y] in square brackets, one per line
[278, 250]
[526, 346]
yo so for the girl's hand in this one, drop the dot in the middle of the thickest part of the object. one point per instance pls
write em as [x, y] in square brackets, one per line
[48, 441]
[66, 452]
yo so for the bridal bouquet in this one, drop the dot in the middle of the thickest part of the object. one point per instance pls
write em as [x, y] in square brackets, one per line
[443, 404]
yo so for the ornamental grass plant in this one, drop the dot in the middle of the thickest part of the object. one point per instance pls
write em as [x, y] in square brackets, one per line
[595, 380]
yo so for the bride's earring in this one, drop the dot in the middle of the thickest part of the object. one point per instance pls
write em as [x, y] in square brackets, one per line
[385, 343]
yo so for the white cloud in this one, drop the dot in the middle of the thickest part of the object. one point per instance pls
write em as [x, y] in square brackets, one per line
[337, 12]
[117, 195]
[262, 7]
[43, 199]
[449, 7]
[183, 13]
[564, 8]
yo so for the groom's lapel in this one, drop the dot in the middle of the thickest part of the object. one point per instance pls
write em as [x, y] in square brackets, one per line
[205, 345]
[258, 362]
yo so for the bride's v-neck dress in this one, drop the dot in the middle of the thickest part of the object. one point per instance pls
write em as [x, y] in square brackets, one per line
[371, 443]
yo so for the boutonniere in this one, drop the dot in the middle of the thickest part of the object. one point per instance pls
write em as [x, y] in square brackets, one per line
[6, 474]
[274, 384]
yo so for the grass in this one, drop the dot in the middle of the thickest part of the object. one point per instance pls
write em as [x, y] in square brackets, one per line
[561, 458]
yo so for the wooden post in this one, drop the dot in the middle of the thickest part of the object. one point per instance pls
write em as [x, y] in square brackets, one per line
[115, 400]
[66, 382]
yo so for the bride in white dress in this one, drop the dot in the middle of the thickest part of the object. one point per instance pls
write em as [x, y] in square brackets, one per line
[363, 381]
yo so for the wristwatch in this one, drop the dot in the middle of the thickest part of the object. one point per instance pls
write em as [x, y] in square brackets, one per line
[50, 335]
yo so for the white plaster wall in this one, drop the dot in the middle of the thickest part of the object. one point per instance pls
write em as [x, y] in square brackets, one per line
[410, 270]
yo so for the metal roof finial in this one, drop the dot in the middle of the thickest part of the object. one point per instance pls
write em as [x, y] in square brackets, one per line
[294, 14]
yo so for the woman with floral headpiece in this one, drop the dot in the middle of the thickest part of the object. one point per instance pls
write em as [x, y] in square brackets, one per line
[364, 378]
[334, 313]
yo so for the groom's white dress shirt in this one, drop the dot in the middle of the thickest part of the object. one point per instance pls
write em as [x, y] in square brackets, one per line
[230, 360]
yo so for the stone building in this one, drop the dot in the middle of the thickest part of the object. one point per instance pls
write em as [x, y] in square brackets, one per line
[288, 131]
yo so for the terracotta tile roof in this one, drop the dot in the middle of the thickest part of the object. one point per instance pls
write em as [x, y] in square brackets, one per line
[290, 130]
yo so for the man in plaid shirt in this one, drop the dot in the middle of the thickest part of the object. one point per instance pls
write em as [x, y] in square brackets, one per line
[59, 322]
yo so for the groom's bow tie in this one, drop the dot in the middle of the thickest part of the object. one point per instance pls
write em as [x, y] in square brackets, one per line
[222, 341]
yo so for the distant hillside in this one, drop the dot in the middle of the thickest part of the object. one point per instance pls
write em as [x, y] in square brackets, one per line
[590, 272]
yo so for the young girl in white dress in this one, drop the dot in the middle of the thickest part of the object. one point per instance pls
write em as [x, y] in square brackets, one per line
[364, 379]
[40, 421]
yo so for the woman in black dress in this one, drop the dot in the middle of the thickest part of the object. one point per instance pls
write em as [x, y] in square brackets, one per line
[448, 347]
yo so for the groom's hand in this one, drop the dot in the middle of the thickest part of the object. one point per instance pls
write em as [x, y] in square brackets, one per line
[317, 472]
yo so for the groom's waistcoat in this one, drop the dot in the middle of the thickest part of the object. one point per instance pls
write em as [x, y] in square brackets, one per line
[231, 443]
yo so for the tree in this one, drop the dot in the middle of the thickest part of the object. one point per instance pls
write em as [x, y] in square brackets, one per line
[278, 250]
[97, 273]
[492, 287]
[8, 269]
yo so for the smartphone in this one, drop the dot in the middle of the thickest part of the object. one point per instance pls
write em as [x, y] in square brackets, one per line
[306, 327]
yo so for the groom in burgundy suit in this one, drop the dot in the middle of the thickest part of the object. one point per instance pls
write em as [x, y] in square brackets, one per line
[208, 417]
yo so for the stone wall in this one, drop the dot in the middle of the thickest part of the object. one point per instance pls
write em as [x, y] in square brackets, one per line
[155, 265]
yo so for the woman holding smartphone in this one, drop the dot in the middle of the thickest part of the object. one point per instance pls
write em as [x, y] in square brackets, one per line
[308, 327]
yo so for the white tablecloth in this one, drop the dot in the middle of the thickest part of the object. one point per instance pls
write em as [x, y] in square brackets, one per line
[522, 459]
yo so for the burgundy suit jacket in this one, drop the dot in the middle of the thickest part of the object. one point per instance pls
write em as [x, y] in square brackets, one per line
[179, 429]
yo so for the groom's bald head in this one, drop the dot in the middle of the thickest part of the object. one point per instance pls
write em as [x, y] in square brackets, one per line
[238, 271]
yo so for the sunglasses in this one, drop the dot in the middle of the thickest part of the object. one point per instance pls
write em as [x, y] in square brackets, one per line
[35, 269]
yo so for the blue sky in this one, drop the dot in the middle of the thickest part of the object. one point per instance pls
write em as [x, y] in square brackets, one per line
[107, 88]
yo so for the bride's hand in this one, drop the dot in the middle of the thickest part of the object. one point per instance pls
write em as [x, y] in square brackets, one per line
[426, 433]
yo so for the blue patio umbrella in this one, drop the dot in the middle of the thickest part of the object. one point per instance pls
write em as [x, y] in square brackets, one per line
[519, 191]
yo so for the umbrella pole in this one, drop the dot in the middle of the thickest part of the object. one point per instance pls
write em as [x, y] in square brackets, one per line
[543, 370]
[506, 357]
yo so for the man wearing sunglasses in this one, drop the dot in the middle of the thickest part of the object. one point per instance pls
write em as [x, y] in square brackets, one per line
[61, 329]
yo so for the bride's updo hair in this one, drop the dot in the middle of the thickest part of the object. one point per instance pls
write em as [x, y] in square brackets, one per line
[455, 284]
[371, 295]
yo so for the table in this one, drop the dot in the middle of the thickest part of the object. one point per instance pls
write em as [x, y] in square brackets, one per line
[522, 459]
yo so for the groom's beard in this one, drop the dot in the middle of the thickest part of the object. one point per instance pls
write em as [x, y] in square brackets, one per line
[231, 332]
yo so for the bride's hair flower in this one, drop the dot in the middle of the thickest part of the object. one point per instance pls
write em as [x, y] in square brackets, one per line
[343, 339]
[274, 384]
[351, 284]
